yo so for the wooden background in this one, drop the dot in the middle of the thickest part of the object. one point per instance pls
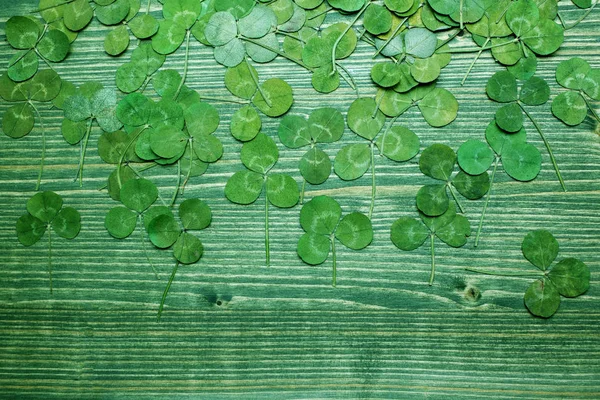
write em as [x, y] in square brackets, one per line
[233, 328]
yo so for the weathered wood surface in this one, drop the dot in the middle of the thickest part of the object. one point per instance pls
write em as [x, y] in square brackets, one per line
[233, 328]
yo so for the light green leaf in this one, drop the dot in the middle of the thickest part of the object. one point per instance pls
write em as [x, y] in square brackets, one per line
[355, 231]
[320, 215]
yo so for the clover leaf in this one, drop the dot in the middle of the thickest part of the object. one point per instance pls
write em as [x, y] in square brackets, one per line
[438, 162]
[576, 74]
[45, 212]
[502, 87]
[451, 228]
[397, 143]
[324, 125]
[520, 160]
[321, 219]
[164, 231]
[259, 156]
[569, 277]
[19, 119]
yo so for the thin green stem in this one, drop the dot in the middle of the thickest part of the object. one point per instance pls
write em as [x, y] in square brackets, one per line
[185, 65]
[334, 277]
[476, 49]
[143, 240]
[189, 173]
[392, 122]
[461, 18]
[86, 140]
[122, 158]
[487, 200]
[321, 13]
[432, 275]
[349, 80]
[489, 272]
[176, 191]
[503, 12]
[148, 7]
[50, 255]
[377, 105]
[574, 24]
[302, 191]
[52, 6]
[562, 182]
[289, 35]
[373, 184]
[392, 36]
[455, 197]
[164, 296]
[277, 51]
[591, 108]
[45, 60]
[255, 80]
[43, 157]
[267, 250]
[222, 100]
[449, 39]
[474, 61]
[339, 39]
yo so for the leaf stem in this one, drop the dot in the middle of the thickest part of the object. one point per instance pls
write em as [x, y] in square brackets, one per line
[476, 49]
[86, 139]
[176, 191]
[219, 99]
[349, 80]
[460, 7]
[455, 197]
[267, 250]
[562, 183]
[432, 275]
[52, 6]
[339, 39]
[373, 184]
[591, 108]
[189, 173]
[474, 61]
[185, 65]
[255, 80]
[143, 240]
[334, 277]
[449, 39]
[122, 158]
[574, 24]
[164, 296]
[303, 190]
[50, 255]
[321, 13]
[487, 200]
[392, 36]
[503, 12]
[277, 51]
[43, 157]
[489, 272]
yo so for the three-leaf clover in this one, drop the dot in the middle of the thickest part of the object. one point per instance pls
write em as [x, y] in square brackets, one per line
[397, 143]
[321, 219]
[324, 125]
[584, 81]
[520, 160]
[451, 228]
[502, 87]
[45, 212]
[244, 187]
[164, 231]
[19, 119]
[570, 277]
[438, 162]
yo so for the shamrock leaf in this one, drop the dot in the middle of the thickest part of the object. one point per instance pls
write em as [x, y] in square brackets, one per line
[245, 187]
[45, 212]
[324, 125]
[19, 119]
[502, 88]
[438, 162]
[451, 228]
[576, 74]
[396, 143]
[569, 277]
[520, 160]
[321, 219]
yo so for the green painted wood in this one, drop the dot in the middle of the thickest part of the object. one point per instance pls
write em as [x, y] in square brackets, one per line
[233, 328]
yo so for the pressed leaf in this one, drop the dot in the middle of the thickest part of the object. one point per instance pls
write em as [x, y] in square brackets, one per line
[542, 298]
[540, 248]
[355, 231]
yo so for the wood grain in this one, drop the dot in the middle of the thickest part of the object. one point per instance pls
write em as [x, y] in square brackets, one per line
[233, 328]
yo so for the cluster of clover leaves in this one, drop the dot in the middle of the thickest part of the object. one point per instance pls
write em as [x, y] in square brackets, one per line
[174, 125]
